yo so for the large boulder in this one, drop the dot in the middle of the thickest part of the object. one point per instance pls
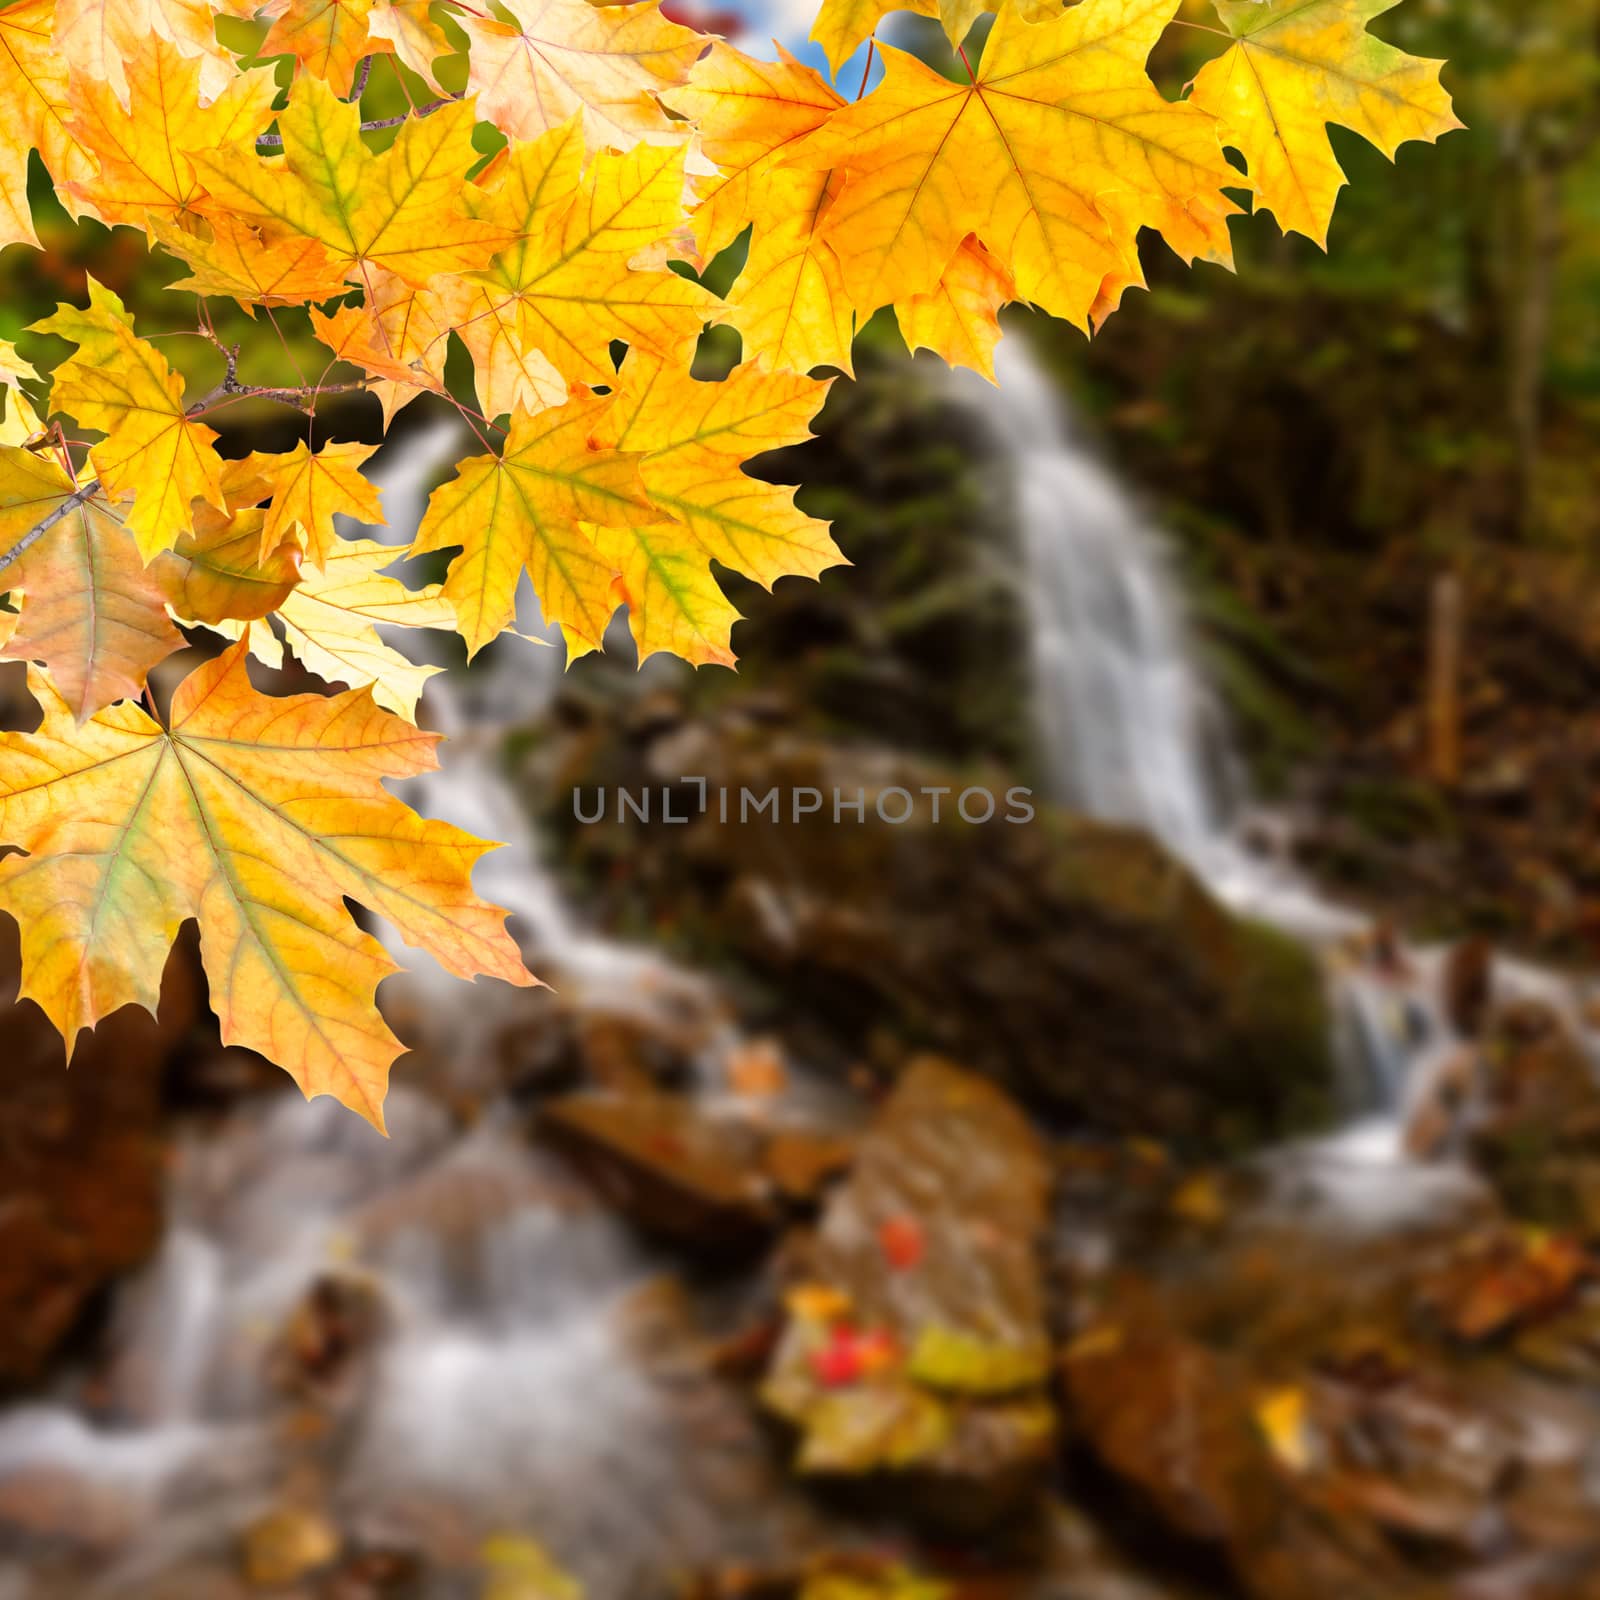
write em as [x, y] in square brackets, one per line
[1078, 963]
[916, 1359]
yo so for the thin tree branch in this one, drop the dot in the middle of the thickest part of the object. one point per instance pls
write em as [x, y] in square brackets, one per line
[229, 389]
[34, 534]
[274, 141]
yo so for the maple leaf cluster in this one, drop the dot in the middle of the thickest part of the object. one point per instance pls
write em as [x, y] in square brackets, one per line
[627, 153]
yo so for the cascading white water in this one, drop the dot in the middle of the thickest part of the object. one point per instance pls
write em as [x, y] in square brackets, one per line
[511, 685]
[1127, 730]
[503, 1391]
[1130, 732]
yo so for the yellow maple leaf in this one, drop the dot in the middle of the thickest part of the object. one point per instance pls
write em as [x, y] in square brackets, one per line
[789, 302]
[329, 620]
[1299, 65]
[402, 210]
[153, 454]
[417, 39]
[750, 116]
[34, 89]
[959, 320]
[257, 816]
[397, 337]
[216, 572]
[14, 366]
[307, 489]
[242, 261]
[696, 439]
[558, 298]
[98, 37]
[142, 150]
[1054, 156]
[842, 26]
[525, 510]
[675, 605]
[557, 57]
[1283, 1416]
[327, 38]
[90, 612]
[20, 422]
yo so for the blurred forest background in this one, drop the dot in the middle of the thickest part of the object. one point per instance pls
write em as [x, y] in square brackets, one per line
[1120, 1207]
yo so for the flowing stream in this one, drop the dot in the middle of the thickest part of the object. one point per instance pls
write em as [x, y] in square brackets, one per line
[1129, 731]
[506, 1389]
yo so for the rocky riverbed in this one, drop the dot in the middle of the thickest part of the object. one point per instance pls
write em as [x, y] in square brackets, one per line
[973, 1248]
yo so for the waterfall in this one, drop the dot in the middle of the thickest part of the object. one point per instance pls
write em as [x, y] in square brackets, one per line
[1130, 731]
[1127, 730]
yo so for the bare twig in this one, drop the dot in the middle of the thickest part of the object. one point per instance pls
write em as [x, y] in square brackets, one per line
[34, 534]
[274, 141]
[229, 389]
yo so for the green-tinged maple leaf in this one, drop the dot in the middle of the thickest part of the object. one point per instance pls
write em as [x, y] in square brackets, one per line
[90, 612]
[257, 816]
[154, 455]
[402, 210]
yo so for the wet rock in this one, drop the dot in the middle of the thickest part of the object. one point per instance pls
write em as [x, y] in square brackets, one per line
[1143, 1005]
[1535, 1128]
[915, 1361]
[553, 1047]
[375, 1575]
[675, 1172]
[81, 1157]
[1303, 1491]
[58, 1507]
[1171, 1419]
[287, 1545]
[1468, 985]
[1567, 1344]
[319, 1355]
[802, 1162]
[1507, 1282]
[1341, 1413]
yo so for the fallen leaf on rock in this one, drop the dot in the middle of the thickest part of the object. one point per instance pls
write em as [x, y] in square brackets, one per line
[756, 1069]
[285, 1546]
[817, 1302]
[1281, 1416]
[852, 1354]
[902, 1242]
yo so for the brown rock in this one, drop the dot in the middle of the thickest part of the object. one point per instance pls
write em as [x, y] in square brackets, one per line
[916, 1358]
[81, 1156]
[1468, 985]
[802, 1162]
[1143, 1005]
[1171, 1419]
[1535, 1131]
[673, 1171]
